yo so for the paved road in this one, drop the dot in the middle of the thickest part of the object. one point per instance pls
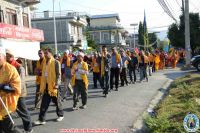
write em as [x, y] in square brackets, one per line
[118, 111]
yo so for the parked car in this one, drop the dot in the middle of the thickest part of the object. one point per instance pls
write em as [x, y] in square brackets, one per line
[195, 61]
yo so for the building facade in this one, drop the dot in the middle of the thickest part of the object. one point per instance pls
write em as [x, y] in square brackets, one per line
[16, 33]
[107, 30]
[132, 40]
[69, 29]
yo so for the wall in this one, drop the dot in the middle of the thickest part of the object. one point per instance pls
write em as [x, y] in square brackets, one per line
[5, 4]
[48, 27]
[103, 22]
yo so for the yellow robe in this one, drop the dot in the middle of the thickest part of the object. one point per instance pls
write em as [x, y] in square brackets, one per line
[157, 61]
[39, 66]
[83, 76]
[95, 66]
[51, 80]
[9, 75]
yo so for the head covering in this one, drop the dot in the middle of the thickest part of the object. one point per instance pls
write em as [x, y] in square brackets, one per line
[8, 51]
[67, 51]
[2, 50]
[80, 54]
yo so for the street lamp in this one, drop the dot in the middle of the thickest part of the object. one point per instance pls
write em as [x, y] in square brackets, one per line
[134, 27]
[55, 35]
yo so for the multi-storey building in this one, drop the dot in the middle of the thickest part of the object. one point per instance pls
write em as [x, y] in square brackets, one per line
[69, 29]
[107, 30]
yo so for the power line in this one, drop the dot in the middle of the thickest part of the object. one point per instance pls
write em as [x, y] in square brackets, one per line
[170, 7]
[90, 7]
[166, 9]
[178, 4]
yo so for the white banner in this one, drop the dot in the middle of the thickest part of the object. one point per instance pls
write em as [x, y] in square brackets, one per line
[23, 49]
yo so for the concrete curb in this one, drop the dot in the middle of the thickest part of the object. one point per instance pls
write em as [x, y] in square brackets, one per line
[139, 125]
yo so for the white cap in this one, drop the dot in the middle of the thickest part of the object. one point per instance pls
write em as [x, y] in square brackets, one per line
[67, 51]
[9, 52]
[81, 54]
[2, 50]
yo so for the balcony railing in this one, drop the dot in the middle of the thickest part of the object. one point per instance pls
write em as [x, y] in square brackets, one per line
[105, 28]
[58, 14]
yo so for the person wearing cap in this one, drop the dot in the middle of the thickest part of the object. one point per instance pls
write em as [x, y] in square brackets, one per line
[38, 73]
[143, 63]
[22, 110]
[133, 66]
[66, 64]
[80, 80]
[116, 66]
[105, 70]
[123, 75]
[10, 90]
[10, 58]
[95, 67]
[50, 82]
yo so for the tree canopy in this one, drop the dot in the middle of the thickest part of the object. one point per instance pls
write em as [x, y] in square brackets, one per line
[176, 32]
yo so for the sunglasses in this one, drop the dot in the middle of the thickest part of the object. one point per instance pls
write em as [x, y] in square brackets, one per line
[39, 53]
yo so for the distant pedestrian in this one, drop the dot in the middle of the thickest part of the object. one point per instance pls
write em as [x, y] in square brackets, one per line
[143, 63]
[105, 70]
[95, 67]
[66, 65]
[116, 67]
[38, 73]
[133, 66]
[123, 73]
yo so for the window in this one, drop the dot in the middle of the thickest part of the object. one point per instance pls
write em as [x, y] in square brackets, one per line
[1, 16]
[11, 16]
[72, 29]
[25, 20]
[105, 37]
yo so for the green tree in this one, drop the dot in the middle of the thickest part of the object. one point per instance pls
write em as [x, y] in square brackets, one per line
[176, 32]
[141, 34]
[90, 41]
[152, 37]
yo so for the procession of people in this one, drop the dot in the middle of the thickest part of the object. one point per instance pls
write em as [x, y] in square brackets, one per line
[59, 77]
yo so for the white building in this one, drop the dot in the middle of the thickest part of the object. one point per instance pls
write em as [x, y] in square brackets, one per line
[69, 29]
[106, 30]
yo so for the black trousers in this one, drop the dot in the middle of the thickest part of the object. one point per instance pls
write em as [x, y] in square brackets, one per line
[24, 114]
[96, 76]
[105, 82]
[6, 126]
[132, 71]
[123, 76]
[79, 88]
[153, 67]
[46, 99]
[114, 73]
[38, 97]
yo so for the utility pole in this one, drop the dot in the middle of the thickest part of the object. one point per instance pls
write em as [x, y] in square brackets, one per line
[183, 6]
[54, 25]
[187, 33]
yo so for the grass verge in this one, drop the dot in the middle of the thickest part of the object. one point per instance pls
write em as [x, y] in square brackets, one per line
[183, 98]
